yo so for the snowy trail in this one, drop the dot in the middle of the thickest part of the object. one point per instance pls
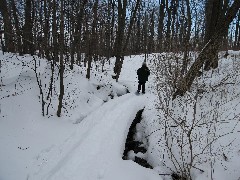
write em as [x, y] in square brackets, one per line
[98, 145]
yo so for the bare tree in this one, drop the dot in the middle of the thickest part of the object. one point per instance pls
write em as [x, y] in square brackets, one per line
[213, 12]
[209, 51]
[237, 32]
[8, 33]
[46, 28]
[92, 39]
[17, 26]
[132, 21]
[28, 46]
[118, 49]
[161, 24]
[151, 44]
[55, 45]
[61, 70]
[187, 38]
[75, 47]
[168, 31]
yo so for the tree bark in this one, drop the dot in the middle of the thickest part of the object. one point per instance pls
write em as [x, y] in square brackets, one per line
[8, 33]
[174, 12]
[55, 45]
[92, 39]
[168, 32]
[145, 34]
[28, 46]
[237, 34]
[119, 38]
[61, 71]
[238, 42]
[108, 31]
[47, 7]
[138, 46]
[213, 15]
[151, 46]
[160, 25]
[18, 31]
[187, 38]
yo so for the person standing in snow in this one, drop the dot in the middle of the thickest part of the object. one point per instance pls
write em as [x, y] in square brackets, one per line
[143, 74]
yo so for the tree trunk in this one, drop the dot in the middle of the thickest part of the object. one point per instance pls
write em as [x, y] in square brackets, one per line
[46, 29]
[138, 38]
[238, 42]
[174, 11]
[8, 33]
[92, 39]
[61, 71]
[18, 31]
[213, 15]
[55, 45]
[108, 31]
[132, 21]
[151, 38]
[237, 34]
[112, 27]
[160, 25]
[168, 32]
[77, 35]
[187, 38]
[145, 35]
[208, 52]
[28, 46]
[119, 38]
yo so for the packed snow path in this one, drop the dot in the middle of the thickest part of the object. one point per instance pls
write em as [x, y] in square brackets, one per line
[98, 145]
[86, 145]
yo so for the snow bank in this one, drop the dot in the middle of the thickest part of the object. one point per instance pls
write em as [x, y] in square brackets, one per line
[13, 66]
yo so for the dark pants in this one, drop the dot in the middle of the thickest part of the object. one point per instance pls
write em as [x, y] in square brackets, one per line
[141, 84]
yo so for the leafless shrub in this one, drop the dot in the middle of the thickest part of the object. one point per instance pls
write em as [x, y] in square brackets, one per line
[193, 125]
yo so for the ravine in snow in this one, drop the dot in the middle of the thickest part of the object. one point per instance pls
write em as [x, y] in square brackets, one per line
[134, 145]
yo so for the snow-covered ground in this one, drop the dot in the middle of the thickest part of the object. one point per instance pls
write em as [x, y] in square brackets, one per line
[208, 116]
[87, 141]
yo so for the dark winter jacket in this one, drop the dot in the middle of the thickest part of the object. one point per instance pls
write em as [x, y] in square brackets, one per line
[143, 74]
